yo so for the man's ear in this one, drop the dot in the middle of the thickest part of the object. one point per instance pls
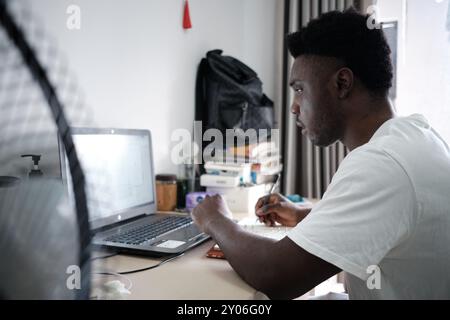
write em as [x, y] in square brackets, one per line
[343, 80]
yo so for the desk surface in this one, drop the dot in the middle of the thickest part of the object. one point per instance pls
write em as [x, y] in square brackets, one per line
[191, 276]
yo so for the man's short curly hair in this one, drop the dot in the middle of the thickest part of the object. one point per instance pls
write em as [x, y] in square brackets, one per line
[345, 35]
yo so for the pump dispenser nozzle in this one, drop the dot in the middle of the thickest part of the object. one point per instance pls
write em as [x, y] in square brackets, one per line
[35, 172]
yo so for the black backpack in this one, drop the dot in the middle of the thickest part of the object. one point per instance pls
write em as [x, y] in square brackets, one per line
[229, 96]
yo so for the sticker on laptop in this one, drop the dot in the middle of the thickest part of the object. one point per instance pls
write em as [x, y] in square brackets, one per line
[171, 244]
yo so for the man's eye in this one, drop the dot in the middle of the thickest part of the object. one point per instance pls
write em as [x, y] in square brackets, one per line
[298, 90]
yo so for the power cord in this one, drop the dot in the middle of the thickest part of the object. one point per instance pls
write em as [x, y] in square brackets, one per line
[170, 258]
[116, 289]
[104, 257]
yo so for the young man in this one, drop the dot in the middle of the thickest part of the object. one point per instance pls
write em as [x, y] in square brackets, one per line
[385, 216]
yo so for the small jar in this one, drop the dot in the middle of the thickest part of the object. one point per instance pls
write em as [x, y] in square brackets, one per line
[166, 192]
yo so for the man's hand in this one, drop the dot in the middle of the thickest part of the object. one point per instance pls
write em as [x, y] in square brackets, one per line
[210, 209]
[276, 208]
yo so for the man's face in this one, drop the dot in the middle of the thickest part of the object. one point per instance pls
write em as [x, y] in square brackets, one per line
[316, 104]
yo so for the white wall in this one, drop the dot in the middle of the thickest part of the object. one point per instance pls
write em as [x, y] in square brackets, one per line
[424, 59]
[137, 66]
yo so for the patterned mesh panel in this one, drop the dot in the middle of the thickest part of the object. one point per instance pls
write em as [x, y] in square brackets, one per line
[40, 231]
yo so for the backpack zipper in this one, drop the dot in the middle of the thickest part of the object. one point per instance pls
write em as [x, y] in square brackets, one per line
[244, 113]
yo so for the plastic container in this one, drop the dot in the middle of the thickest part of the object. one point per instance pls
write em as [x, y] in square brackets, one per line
[166, 192]
[194, 198]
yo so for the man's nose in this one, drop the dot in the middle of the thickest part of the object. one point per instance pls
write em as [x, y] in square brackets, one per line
[295, 108]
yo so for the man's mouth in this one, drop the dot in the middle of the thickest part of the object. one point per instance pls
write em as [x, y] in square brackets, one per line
[301, 126]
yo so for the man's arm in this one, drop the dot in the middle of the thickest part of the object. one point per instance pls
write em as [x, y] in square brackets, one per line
[281, 270]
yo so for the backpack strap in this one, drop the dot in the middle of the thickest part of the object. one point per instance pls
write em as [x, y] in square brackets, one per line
[201, 110]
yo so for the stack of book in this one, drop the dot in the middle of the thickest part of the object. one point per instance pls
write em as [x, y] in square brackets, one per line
[245, 174]
[264, 158]
[226, 174]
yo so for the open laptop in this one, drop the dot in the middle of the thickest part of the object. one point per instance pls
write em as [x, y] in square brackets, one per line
[120, 187]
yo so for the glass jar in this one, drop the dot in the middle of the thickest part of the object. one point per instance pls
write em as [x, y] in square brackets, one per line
[166, 192]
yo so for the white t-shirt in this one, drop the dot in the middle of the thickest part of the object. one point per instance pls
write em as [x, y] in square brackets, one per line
[387, 207]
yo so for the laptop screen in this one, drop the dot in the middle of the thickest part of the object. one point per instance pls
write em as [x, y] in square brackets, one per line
[118, 169]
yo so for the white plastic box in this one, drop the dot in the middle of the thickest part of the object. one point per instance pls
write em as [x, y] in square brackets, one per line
[242, 199]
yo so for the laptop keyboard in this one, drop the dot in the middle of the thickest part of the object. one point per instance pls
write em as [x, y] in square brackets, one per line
[146, 232]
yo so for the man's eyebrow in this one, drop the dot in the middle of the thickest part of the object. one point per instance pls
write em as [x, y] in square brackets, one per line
[295, 81]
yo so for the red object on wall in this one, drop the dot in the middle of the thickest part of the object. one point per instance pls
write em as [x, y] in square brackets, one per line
[186, 16]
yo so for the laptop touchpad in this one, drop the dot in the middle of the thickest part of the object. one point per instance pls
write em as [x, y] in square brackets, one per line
[170, 244]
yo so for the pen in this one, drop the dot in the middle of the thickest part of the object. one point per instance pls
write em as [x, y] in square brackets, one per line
[272, 189]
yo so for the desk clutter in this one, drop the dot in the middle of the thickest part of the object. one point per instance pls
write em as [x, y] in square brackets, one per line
[246, 174]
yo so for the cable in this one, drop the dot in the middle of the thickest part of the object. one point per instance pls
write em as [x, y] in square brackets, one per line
[170, 258]
[104, 257]
[122, 274]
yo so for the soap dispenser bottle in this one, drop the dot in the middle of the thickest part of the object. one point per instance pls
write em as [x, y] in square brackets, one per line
[35, 172]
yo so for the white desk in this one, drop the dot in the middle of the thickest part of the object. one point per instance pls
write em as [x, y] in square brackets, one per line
[191, 276]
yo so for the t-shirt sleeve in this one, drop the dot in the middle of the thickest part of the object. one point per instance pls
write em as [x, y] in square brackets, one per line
[368, 209]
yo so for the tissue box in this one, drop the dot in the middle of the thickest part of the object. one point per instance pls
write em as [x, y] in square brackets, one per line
[241, 199]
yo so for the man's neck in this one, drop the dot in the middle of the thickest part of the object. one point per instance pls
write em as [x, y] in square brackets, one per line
[362, 126]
